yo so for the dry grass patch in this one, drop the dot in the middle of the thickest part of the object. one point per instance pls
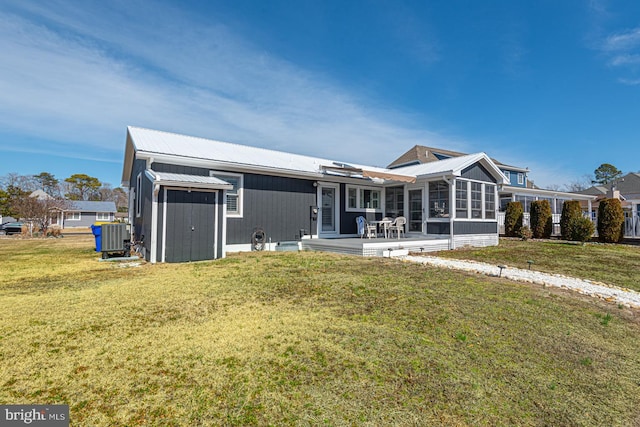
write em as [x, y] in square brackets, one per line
[308, 338]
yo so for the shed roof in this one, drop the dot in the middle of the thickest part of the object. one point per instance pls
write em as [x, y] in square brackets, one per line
[193, 181]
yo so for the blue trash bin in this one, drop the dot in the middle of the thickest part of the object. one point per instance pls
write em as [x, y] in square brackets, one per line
[97, 233]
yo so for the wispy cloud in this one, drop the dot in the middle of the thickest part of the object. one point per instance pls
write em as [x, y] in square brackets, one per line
[623, 41]
[621, 60]
[80, 76]
[620, 49]
[630, 82]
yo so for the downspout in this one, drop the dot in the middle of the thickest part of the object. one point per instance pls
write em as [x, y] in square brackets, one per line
[452, 212]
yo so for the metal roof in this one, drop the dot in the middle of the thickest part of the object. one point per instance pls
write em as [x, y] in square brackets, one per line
[88, 206]
[150, 143]
[452, 166]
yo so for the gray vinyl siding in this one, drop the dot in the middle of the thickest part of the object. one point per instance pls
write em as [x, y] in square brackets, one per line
[87, 219]
[278, 205]
[478, 172]
[474, 227]
[187, 170]
[348, 219]
[463, 227]
[438, 228]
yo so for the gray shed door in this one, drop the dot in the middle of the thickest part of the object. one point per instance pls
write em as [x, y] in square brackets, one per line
[191, 225]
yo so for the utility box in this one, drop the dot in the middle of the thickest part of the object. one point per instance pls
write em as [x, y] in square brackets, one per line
[115, 238]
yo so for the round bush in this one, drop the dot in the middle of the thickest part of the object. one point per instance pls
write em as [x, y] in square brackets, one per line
[581, 229]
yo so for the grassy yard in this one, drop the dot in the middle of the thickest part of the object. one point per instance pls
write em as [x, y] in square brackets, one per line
[305, 339]
[612, 264]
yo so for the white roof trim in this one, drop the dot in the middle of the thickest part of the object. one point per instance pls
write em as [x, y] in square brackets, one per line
[546, 193]
[453, 167]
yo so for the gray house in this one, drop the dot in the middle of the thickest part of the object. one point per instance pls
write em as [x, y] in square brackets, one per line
[193, 198]
[84, 213]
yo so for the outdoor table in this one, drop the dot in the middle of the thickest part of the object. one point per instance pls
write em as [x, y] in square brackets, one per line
[382, 225]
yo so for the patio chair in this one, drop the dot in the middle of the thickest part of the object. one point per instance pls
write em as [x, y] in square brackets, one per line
[397, 226]
[365, 229]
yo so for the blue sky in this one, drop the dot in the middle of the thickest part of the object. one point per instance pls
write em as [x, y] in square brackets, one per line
[549, 85]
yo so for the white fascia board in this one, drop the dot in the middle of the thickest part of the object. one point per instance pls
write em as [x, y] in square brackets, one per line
[550, 193]
[440, 174]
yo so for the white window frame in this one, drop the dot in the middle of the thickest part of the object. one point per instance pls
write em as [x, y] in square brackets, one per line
[139, 195]
[520, 178]
[508, 175]
[463, 183]
[446, 215]
[238, 213]
[483, 199]
[359, 189]
[71, 216]
[100, 216]
[480, 201]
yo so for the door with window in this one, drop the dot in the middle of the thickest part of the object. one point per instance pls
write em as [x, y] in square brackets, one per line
[415, 210]
[328, 224]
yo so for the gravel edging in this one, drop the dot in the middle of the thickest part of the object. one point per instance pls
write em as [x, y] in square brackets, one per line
[623, 296]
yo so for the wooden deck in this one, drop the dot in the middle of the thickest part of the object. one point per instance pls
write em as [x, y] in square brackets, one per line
[378, 247]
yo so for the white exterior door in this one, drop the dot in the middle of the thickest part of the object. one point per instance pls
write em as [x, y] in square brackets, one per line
[328, 195]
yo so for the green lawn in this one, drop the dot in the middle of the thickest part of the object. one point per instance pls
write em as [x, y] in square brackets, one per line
[305, 339]
[617, 265]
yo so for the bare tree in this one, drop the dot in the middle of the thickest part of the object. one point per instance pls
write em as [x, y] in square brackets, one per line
[26, 183]
[579, 184]
[39, 210]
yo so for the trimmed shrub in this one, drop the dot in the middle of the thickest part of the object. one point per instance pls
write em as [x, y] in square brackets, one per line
[513, 219]
[525, 233]
[581, 229]
[610, 221]
[541, 219]
[570, 210]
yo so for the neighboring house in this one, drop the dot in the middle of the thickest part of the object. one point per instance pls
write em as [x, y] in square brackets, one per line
[84, 214]
[193, 198]
[517, 188]
[627, 190]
